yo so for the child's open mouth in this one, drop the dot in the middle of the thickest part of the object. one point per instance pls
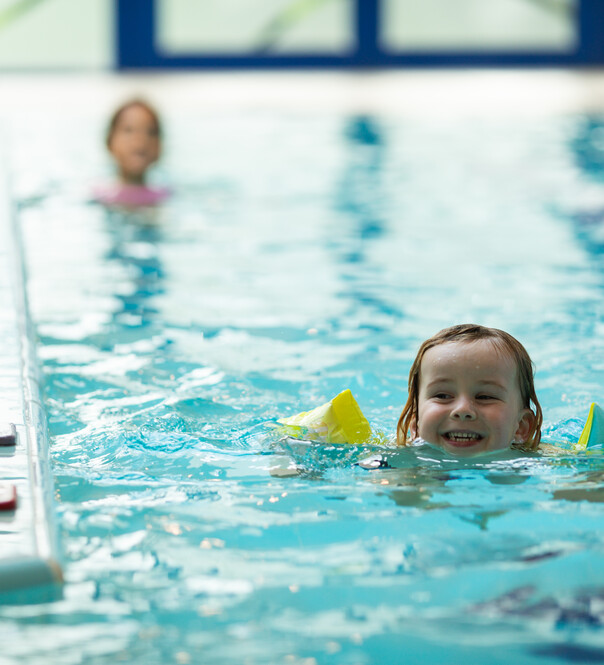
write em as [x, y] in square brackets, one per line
[462, 439]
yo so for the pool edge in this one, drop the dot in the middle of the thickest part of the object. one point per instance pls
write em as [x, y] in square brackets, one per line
[23, 578]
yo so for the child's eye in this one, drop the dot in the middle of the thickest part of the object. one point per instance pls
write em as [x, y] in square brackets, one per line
[442, 396]
[486, 397]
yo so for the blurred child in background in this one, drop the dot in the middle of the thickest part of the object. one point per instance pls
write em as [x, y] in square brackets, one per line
[134, 141]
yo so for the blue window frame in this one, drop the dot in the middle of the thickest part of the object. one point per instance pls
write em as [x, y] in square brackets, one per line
[137, 46]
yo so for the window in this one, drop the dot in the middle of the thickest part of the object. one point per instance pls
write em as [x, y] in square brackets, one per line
[359, 33]
[244, 27]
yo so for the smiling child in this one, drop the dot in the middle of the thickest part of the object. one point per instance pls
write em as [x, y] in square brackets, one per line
[471, 391]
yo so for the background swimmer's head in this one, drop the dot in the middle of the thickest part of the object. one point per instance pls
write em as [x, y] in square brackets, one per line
[467, 334]
[134, 140]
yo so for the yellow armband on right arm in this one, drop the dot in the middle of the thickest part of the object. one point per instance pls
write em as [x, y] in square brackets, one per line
[338, 421]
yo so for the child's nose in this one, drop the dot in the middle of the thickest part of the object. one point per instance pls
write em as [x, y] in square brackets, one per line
[463, 409]
[140, 139]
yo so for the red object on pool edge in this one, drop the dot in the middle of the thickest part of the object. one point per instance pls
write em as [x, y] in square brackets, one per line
[8, 434]
[8, 497]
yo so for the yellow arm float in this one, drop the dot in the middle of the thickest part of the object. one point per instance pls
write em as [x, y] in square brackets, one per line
[593, 432]
[338, 421]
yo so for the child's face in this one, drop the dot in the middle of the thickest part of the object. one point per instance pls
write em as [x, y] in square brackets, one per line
[135, 143]
[469, 399]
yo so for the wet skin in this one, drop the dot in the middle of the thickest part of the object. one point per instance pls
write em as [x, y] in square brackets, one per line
[135, 144]
[469, 399]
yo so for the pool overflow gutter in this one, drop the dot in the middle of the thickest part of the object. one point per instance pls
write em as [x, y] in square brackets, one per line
[29, 560]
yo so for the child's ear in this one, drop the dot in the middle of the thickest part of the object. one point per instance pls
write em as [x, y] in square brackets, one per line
[413, 428]
[526, 426]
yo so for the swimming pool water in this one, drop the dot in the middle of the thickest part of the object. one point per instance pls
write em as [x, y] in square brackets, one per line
[303, 254]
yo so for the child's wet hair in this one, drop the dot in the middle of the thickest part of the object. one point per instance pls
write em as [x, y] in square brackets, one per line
[117, 114]
[467, 333]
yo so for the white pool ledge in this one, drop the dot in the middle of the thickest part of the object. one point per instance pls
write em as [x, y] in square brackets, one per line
[30, 570]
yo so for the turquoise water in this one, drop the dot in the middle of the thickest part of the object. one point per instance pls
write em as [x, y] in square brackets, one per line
[300, 255]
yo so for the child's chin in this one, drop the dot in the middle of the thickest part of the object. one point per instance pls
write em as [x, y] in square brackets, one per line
[465, 451]
[477, 449]
[480, 448]
[464, 448]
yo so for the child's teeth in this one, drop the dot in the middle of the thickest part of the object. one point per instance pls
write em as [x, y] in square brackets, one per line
[463, 437]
